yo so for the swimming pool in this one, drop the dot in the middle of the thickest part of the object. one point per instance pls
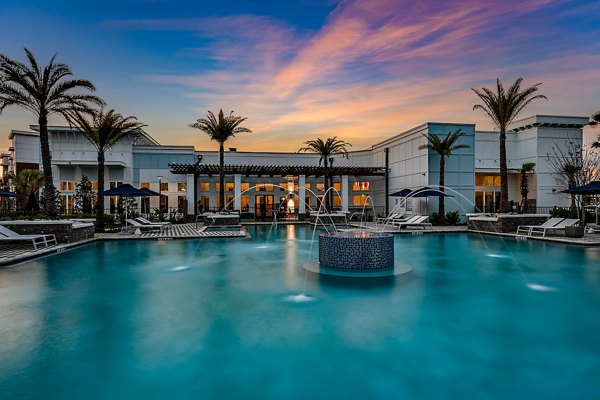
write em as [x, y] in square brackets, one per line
[478, 317]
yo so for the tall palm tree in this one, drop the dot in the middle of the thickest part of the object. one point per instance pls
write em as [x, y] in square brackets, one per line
[526, 168]
[220, 130]
[103, 130]
[43, 91]
[503, 106]
[327, 149]
[444, 147]
[28, 182]
[595, 122]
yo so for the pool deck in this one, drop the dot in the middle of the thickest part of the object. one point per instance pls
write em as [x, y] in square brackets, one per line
[13, 253]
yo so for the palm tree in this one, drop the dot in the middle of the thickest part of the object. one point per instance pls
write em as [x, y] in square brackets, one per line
[44, 92]
[503, 106]
[220, 130]
[28, 182]
[595, 122]
[103, 131]
[331, 147]
[444, 147]
[525, 169]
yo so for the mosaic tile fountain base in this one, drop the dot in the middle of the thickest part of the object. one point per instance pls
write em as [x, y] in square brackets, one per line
[356, 250]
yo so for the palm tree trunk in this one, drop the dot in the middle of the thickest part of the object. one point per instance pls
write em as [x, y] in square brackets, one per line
[100, 201]
[221, 177]
[49, 190]
[442, 204]
[503, 174]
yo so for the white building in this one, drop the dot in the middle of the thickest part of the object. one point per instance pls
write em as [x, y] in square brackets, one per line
[258, 182]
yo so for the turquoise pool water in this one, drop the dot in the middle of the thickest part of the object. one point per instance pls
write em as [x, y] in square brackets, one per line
[478, 317]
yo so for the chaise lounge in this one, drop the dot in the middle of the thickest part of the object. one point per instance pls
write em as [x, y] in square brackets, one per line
[558, 227]
[527, 229]
[135, 224]
[9, 235]
[144, 221]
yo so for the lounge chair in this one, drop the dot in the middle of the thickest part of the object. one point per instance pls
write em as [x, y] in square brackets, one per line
[419, 222]
[144, 221]
[133, 223]
[399, 223]
[526, 229]
[390, 218]
[558, 227]
[9, 235]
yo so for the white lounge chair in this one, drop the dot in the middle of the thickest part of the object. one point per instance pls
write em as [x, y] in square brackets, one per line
[134, 224]
[526, 229]
[9, 235]
[144, 221]
[558, 227]
[419, 222]
[400, 223]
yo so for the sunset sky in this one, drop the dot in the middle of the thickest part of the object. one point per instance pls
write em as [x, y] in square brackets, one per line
[362, 70]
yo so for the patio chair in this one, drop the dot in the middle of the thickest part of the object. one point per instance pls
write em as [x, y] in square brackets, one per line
[134, 224]
[526, 229]
[419, 222]
[9, 235]
[144, 221]
[558, 227]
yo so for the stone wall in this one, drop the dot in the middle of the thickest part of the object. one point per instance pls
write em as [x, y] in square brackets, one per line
[65, 231]
[504, 223]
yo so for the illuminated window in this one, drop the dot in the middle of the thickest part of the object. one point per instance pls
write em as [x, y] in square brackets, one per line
[264, 187]
[307, 185]
[245, 186]
[164, 186]
[145, 185]
[229, 186]
[245, 203]
[360, 186]
[360, 200]
[487, 180]
[182, 187]
[205, 187]
[67, 185]
[337, 186]
[320, 186]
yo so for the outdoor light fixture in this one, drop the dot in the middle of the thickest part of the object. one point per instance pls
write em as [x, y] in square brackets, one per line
[159, 184]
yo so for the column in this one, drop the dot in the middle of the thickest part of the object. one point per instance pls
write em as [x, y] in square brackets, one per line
[237, 191]
[190, 195]
[344, 192]
[301, 194]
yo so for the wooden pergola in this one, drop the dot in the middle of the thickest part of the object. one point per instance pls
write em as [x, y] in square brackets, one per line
[274, 170]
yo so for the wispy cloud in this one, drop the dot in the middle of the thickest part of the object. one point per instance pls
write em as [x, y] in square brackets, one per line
[377, 67]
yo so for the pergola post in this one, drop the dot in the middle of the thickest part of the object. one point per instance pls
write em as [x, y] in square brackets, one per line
[301, 194]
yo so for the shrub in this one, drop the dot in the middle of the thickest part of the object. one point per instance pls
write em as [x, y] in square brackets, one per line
[452, 218]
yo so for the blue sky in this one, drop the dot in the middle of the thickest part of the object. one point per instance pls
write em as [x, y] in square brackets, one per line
[360, 70]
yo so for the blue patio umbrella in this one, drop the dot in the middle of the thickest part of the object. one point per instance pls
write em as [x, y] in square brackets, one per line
[589, 189]
[401, 193]
[149, 192]
[429, 193]
[586, 190]
[7, 193]
[125, 190]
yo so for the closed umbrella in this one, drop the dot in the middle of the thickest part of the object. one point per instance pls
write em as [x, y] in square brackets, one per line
[125, 190]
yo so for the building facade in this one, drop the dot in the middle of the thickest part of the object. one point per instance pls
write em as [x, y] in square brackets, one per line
[261, 183]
